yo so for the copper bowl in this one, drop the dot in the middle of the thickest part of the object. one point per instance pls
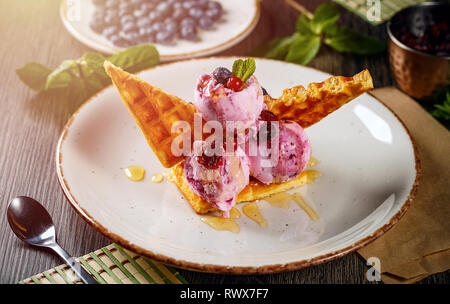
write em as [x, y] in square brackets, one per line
[417, 73]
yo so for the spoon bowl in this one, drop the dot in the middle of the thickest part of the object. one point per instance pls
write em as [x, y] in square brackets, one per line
[30, 221]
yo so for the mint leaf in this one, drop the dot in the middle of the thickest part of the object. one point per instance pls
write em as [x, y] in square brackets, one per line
[34, 75]
[344, 39]
[249, 69]
[77, 80]
[442, 104]
[136, 58]
[324, 16]
[238, 66]
[276, 48]
[304, 49]
[303, 25]
[244, 69]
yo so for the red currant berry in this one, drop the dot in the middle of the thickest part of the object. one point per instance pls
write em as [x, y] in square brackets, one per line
[234, 83]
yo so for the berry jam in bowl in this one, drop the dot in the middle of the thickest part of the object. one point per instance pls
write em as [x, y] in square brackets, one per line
[419, 48]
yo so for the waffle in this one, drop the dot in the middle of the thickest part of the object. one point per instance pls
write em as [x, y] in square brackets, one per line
[255, 190]
[153, 110]
[308, 106]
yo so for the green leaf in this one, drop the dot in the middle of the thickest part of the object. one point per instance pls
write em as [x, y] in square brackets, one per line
[62, 76]
[442, 104]
[304, 49]
[303, 25]
[136, 58]
[344, 39]
[276, 48]
[238, 66]
[249, 69]
[244, 69]
[34, 75]
[324, 16]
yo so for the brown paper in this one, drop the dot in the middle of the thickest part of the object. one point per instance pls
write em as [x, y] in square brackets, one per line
[419, 244]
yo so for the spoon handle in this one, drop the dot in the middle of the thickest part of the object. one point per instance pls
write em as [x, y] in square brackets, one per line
[76, 267]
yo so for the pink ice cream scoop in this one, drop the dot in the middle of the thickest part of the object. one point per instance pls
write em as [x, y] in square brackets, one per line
[217, 178]
[287, 151]
[217, 102]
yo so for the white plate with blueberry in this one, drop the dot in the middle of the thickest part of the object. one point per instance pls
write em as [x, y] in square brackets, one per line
[179, 29]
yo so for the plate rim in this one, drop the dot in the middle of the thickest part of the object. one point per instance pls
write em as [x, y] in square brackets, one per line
[266, 269]
[164, 58]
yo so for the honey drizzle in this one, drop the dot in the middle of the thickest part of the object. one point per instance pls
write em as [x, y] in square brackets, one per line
[221, 223]
[134, 173]
[252, 211]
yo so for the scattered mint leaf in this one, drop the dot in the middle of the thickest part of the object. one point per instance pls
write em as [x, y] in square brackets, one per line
[442, 104]
[34, 75]
[303, 49]
[346, 40]
[303, 45]
[303, 25]
[277, 48]
[76, 80]
[244, 69]
[324, 16]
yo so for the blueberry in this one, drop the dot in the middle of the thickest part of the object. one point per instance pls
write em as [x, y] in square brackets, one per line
[222, 74]
[110, 31]
[188, 31]
[202, 3]
[127, 19]
[171, 27]
[195, 12]
[143, 22]
[179, 13]
[206, 23]
[188, 20]
[264, 91]
[119, 41]
[189, 4]
[154, 16]
[215, 5]
[131, 36]
[111, 20]
[158, 26]
[177, 5]
[213, 13]
[163, 9]
[146, 35]
[164, 37]
[129, 27]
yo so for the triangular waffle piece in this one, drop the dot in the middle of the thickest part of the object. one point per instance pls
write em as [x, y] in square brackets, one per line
[255, 190]
[308, 106]
[153, 110]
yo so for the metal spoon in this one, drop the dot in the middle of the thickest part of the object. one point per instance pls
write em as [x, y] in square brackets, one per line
[32, 224]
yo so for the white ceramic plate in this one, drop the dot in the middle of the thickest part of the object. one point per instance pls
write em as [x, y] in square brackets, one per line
[239, 19]
[368, 161]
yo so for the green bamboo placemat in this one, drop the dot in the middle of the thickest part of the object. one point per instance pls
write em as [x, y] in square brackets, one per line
[387, 8]
[112, 265]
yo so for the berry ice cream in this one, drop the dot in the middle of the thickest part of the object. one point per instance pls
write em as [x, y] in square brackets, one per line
[218, 179]
[287, 150]
[223, 98]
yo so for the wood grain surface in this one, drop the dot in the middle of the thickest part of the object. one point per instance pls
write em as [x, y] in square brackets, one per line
[30, 125]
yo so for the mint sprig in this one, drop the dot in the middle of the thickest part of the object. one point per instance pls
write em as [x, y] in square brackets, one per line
[244, 69]
[311, 32]
[77, 80]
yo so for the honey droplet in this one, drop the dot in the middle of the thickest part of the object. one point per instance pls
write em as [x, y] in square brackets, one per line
[157, 178]
[312, 162]
[307, 208]
[234, 213]
[134, 173]
[311, 176]
[221, 223]
[252, 211]
[280, 200]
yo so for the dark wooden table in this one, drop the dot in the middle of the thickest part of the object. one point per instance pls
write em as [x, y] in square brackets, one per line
[30, 125]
